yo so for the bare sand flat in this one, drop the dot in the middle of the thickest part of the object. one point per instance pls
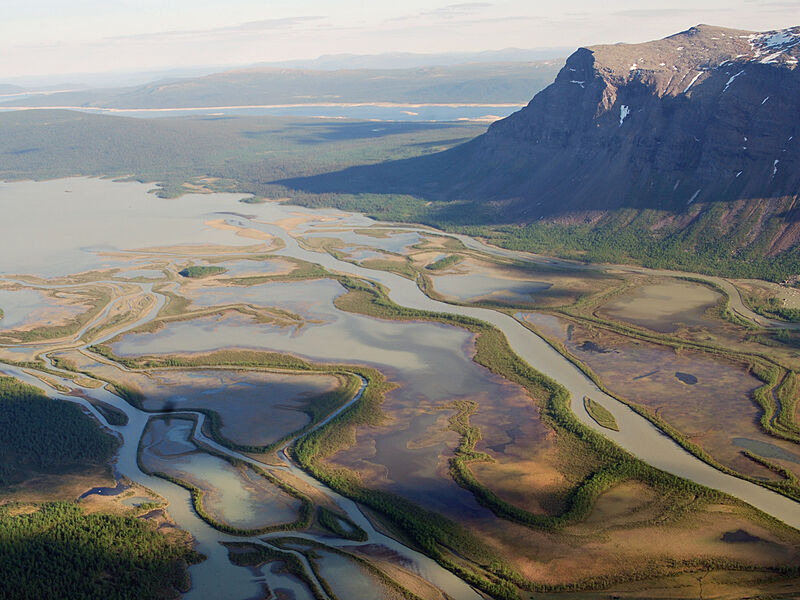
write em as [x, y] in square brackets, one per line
[665, 307]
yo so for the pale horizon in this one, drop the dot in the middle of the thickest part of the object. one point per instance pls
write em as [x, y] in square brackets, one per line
[53, 39]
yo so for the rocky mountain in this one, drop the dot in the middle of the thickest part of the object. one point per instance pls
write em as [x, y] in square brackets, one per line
[693, 139]
[705, 115]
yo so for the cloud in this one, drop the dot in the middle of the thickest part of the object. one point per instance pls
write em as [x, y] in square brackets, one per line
[509, 18]
[250, 27]
[655, 13]
[461, 8]
[449, 11]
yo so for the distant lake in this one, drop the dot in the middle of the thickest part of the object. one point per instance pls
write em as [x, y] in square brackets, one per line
[380, 112]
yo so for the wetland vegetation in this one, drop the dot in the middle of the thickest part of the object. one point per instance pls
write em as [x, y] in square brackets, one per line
[537, 498]
[600, 414]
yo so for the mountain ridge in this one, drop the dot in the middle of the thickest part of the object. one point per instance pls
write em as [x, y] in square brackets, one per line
[486, 83]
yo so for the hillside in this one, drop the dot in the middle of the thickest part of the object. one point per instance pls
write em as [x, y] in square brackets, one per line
[680, 151]
[7, 88]
[486, 83]
[244, 153]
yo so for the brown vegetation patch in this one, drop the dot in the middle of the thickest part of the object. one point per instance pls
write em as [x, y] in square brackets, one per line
[713, 413]
[664, 306]
[625, 548]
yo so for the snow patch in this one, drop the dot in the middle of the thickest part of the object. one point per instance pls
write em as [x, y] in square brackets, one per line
[771, 58]
[773, 43]
[739, 173]
[731, 80]
[624, 111]
[633, 67]
[580, 83]
[779, 38]
[775, 167]
[694, 196]
[675, 187]
[691, 83]
[764, 100]
[679, 48]
[662, 64]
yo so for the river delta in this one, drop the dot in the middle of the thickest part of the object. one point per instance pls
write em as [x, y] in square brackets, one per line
[220, 378]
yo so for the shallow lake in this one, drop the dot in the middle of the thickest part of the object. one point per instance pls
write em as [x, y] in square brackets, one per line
[85, 217]
[430, 362]
[238, 497]
[255, 408]
[23, 306]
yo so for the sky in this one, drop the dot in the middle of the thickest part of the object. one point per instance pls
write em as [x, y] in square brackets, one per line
[60, 37]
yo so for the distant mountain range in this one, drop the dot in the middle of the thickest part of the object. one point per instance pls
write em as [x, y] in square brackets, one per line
[475, 83]
[6, 88]
[501, 77]
[412, 60]
[686, 147]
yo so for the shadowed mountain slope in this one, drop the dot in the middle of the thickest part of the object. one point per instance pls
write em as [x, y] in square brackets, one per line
[693, 139]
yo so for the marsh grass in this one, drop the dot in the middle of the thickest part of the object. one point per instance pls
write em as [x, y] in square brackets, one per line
[253, 555]
[365, 564]
[332, 521]
[452, 545]
[445, 262]
[97, 298]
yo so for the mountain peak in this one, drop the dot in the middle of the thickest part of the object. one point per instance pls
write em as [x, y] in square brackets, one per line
[673, 65]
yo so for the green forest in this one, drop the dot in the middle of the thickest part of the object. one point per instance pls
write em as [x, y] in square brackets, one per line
[199, 271]
[44, 435]
[56, 550]
[59, 552]
[269, 157]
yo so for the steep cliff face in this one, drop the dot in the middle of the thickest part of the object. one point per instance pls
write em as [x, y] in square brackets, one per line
[704, 116]
[708, 114]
